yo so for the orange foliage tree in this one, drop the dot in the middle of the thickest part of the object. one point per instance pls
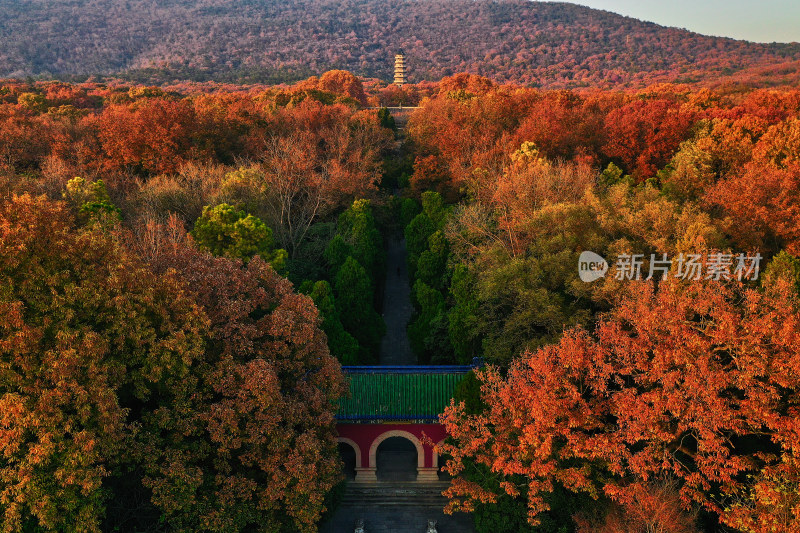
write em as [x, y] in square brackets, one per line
[24, 138]
[695, 381]
[431, 175]
[320, 159]
[654, 507]
[467, 133]
[471, 83]
[345, 83]
[760, 207]
[151, 136]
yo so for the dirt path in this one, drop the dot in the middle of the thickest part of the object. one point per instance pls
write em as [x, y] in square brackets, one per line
[397, 308]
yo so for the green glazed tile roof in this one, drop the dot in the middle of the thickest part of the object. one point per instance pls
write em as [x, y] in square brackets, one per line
[399, 392]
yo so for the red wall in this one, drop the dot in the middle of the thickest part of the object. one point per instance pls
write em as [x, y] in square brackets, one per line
[365, 434]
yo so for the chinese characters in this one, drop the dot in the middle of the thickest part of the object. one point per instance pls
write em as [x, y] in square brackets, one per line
[715, 266]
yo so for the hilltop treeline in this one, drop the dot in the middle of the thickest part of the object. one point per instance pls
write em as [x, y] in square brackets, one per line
[270, 41]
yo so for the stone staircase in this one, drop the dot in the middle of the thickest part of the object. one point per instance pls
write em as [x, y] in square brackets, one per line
[395, 507]
[396, 494]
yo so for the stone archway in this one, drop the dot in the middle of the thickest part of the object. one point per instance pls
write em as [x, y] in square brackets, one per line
[396, 461]
[355, 446]
[423, 474]
[373, 449]
[351, 462]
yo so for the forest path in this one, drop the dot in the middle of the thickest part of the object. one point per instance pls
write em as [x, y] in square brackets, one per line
[397, 308]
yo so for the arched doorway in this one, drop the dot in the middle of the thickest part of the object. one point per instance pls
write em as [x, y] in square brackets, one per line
[396, 459]
[348, 456]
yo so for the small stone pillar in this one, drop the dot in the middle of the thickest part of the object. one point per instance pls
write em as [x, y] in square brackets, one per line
[426, 475]
[366, 475]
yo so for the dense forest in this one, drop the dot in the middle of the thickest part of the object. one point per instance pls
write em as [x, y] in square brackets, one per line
[182, 273]
[545, 44]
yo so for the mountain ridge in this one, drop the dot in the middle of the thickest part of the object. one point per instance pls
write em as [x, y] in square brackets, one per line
[549, 44]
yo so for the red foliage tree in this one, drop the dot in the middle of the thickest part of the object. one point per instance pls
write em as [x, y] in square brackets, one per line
[562, 125]
[760, 207]
[645, 133]
[152, 136]
[675, 381]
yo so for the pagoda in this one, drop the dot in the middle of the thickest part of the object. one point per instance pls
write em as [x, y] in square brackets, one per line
[400, 68]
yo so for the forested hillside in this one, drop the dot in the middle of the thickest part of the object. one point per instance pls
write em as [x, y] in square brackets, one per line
[538, 43]
[182, 274]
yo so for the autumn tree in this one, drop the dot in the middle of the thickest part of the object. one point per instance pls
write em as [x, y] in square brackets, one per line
[152, 136]
[254, 447]
[780, 145]
[759, 207]
[562, 124]
[531, 182]
[471, 83]
[467, 136]
[430, 174]
[605, 413]
[343, 82]
[93, 346]
[186, 193]
[783, 266]
[655, 506]
[718, 149]
[320, 164]
[92, 202]
[24, 138]
[644, 134]
[139, 395]
[518, 286]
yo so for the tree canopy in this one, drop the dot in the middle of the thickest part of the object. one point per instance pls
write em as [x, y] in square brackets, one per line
[146, 382]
